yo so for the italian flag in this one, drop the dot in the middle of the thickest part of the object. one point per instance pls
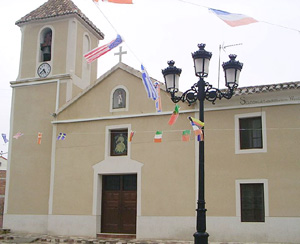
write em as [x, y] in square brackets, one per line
[186, 135]
[158, 136]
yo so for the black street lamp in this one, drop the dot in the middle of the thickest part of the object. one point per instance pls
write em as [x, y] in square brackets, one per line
[200, 91]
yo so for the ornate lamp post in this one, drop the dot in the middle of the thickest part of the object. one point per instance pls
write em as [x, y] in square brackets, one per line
[200, 91]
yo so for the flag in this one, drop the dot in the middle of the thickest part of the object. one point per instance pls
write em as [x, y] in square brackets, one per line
[233, 19]
[158, 99]
[186, 135]
[4, 138]
[39, 141]
[197, 130]
[196, 122]
[158, 136]
[175, 115]
[150, 89]
[200, 137]
[116, 1]
[61, 136]
[99, 51]
[131, 136]
[19, 134]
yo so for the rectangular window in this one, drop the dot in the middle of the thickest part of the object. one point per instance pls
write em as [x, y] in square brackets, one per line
[252, 202]
[250, 133]
[118, 142]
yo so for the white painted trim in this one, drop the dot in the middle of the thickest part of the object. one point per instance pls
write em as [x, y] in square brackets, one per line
[52, 172]
[34, 83]
[237, 132]
[258, 105]
[238, 195]
[274, 230]
[111, 99]
[72, 225]
[166, 227]
[86, 68]
[71, 47]
[118, 117]
[25, 223]
[57, 95]
[23, 28]
[220, 228]
[114, 165]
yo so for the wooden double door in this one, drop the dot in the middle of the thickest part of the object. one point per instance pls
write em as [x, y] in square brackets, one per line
[119, 200]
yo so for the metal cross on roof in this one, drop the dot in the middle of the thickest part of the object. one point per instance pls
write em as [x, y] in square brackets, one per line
[120, 54]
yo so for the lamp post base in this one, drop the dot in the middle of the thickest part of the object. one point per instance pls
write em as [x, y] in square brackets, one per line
[201, 238]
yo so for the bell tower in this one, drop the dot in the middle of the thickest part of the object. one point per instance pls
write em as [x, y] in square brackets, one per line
[52, 71]
[54, 38]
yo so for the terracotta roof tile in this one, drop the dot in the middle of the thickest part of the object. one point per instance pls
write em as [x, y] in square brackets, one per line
[267, 88]
[57, 8]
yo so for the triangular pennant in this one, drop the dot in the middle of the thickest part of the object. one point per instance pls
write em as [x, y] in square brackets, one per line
[39, 141]
[175, 115]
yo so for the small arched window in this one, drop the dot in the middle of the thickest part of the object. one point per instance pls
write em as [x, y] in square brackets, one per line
[119, 98]
[46, 44]
[86, 67]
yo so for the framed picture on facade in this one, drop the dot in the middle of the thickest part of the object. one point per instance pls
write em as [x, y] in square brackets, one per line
[118, 142]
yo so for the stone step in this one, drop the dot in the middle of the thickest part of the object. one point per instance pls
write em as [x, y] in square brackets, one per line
[115, 236]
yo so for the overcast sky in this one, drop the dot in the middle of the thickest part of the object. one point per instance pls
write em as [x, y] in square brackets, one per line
[156, 31]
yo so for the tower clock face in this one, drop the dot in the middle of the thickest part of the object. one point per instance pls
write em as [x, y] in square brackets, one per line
[44, 70]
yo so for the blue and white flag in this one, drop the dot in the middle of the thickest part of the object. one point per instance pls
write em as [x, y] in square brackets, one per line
[61, 136]
[4, 138]
[150, 89]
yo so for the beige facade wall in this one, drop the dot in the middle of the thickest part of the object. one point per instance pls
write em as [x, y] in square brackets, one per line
[59, 47]
[223, 166]
[28, 52]
[30, 163]
[75, 157]
[166, 173]
[99, 105]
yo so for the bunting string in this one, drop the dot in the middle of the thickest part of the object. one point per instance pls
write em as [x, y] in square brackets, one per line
[209, 8]
[114, 28]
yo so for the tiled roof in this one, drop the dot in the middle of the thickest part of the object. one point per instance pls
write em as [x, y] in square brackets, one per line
[267, 88]
[57, 8]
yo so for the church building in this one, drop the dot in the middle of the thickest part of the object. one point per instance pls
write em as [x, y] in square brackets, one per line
[74, 170]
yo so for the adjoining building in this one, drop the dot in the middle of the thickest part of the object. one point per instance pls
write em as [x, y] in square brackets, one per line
[83, 177]
[3, 168]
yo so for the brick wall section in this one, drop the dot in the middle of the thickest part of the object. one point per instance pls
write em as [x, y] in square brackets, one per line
[2, 194]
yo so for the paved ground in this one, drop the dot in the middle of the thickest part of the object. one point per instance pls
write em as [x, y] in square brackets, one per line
[38, 238]
[44, 239]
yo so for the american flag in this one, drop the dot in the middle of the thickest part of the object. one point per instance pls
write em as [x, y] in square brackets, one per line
[99, 51]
